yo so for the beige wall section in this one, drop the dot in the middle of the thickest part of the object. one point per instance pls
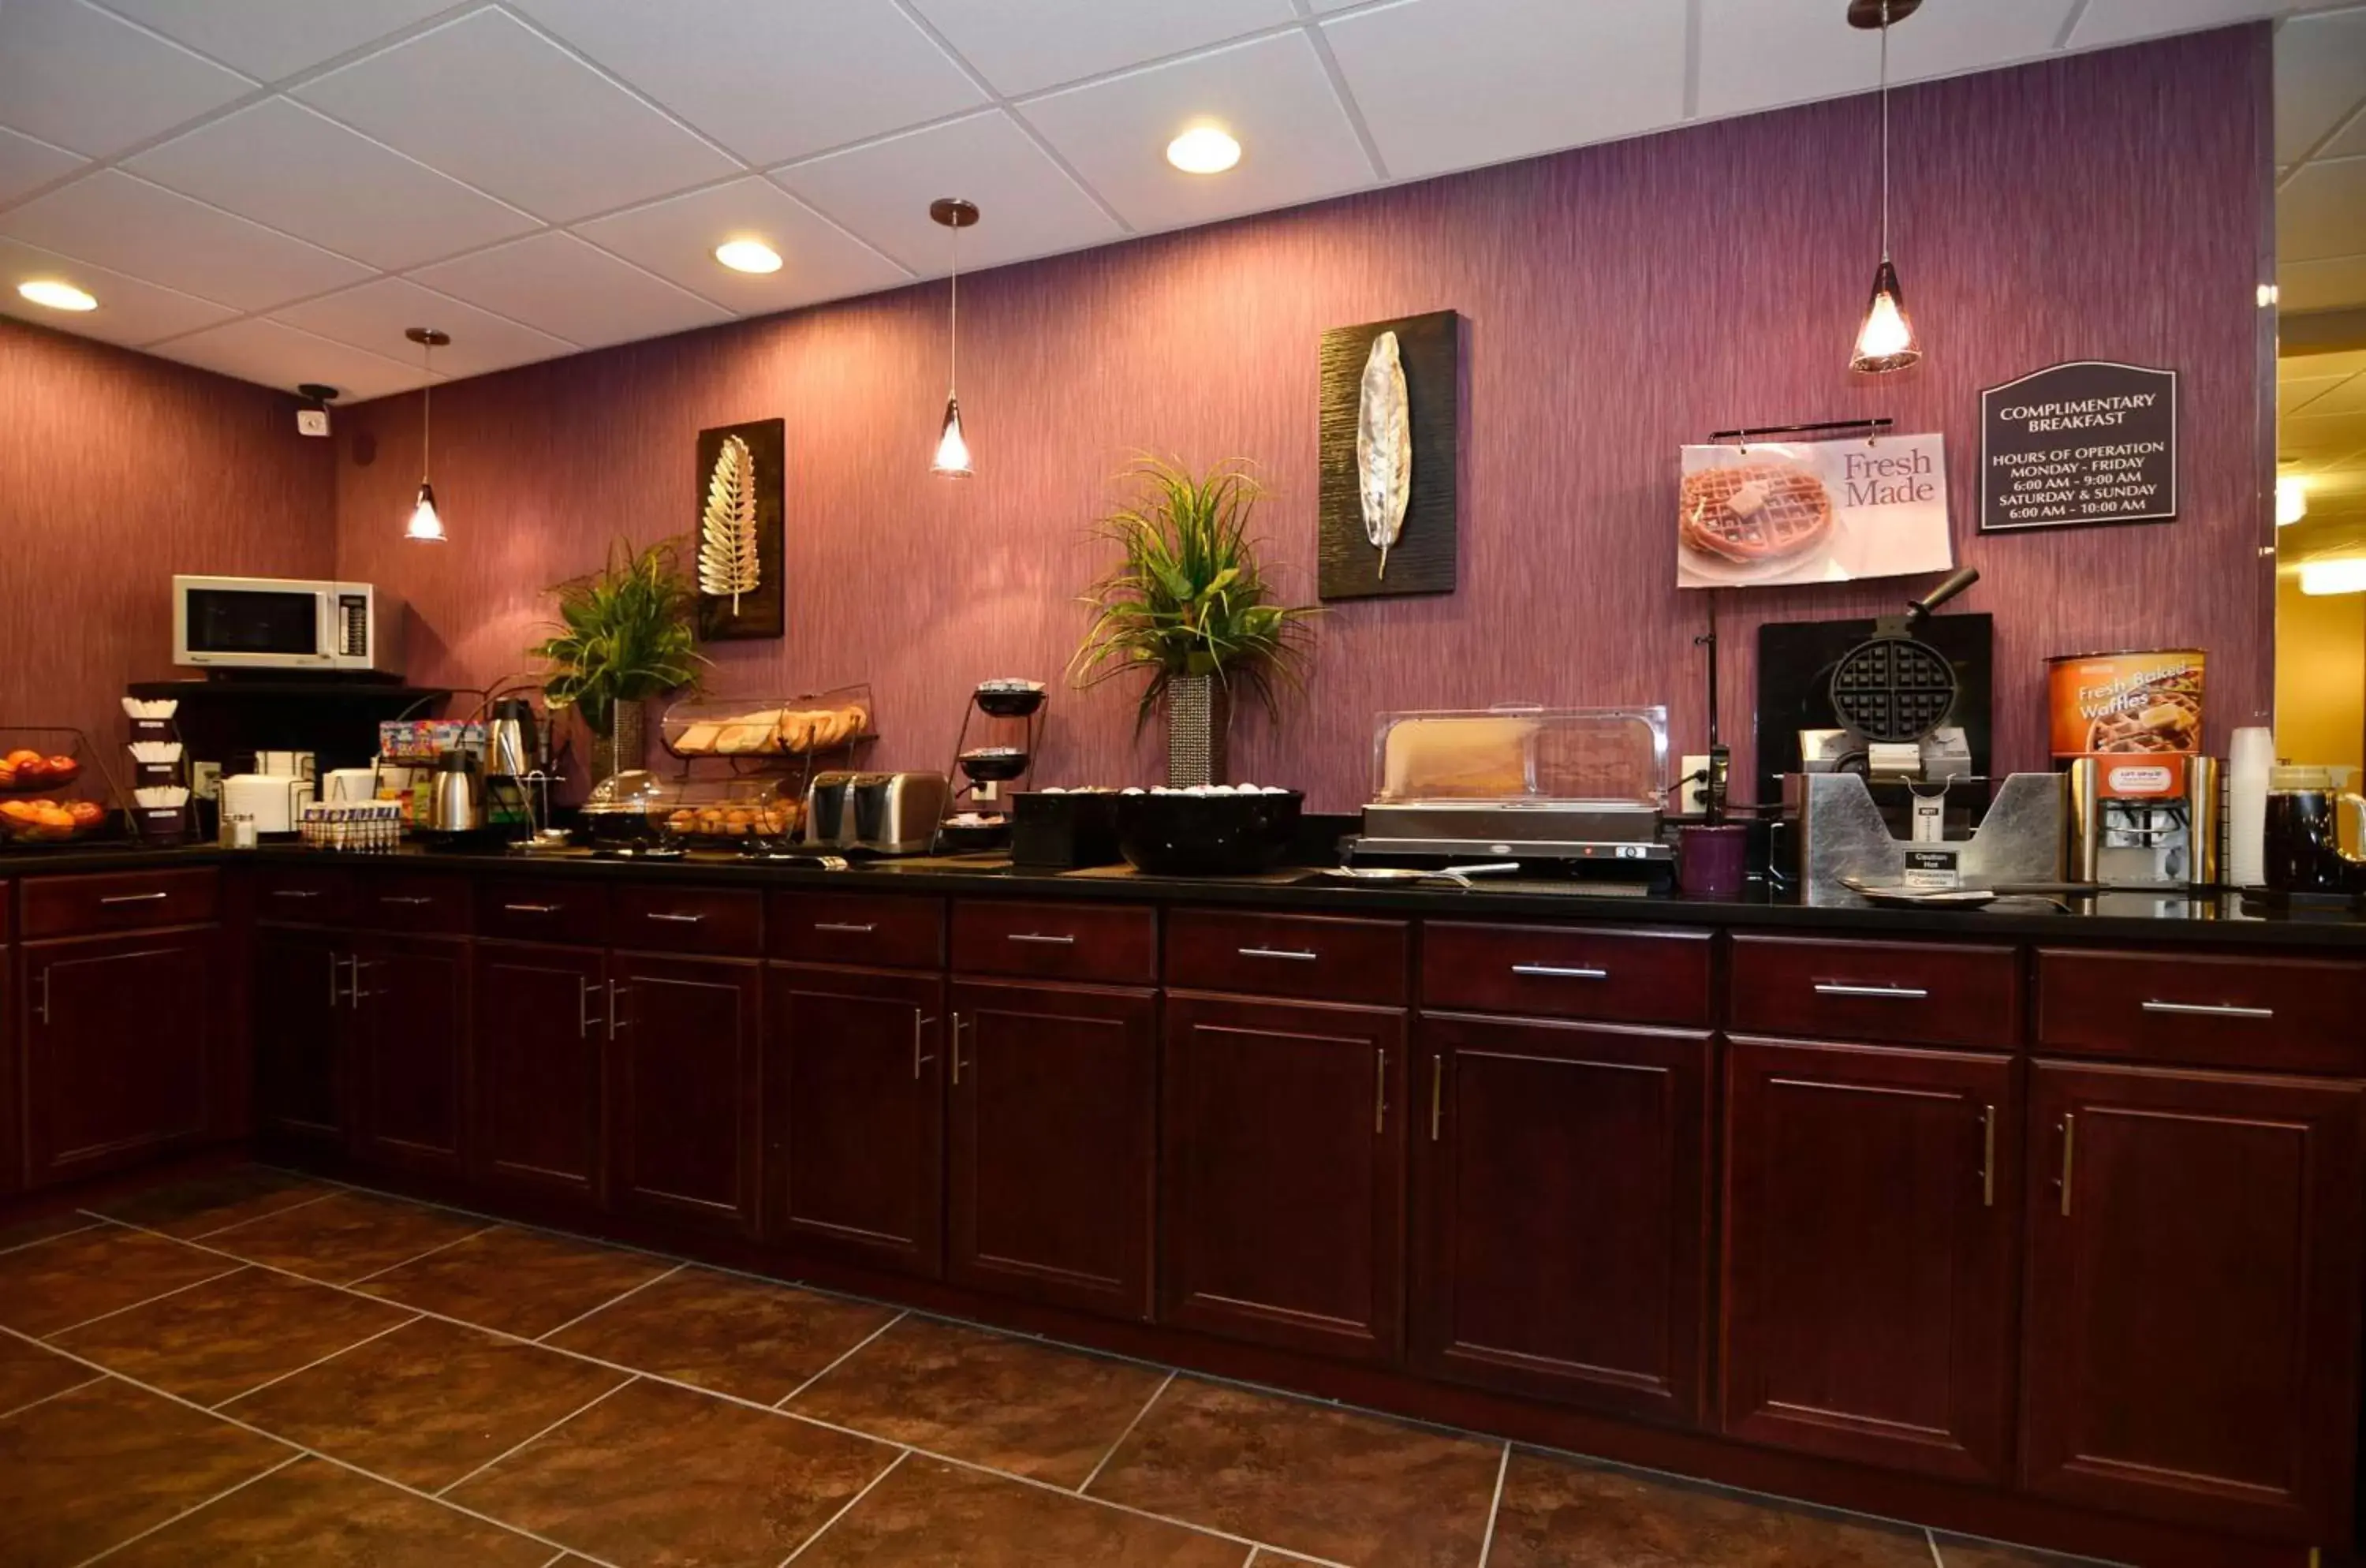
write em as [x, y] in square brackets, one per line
[2320, 676]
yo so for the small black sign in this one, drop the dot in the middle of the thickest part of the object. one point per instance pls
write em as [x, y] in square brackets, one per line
[2086, 442]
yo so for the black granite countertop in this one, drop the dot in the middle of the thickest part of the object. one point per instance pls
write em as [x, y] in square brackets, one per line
[2226, 919]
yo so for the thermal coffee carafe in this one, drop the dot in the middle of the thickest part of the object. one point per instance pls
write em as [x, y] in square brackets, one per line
[2303, 845]
[455, 796]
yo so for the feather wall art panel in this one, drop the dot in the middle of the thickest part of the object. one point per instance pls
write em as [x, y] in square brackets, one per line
[740, 590]
[1390, 433]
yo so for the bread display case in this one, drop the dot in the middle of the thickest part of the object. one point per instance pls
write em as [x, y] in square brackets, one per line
[641, 813]
[759, 728]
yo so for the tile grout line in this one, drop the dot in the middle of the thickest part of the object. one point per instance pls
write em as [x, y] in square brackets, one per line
[1938, 1558]
[1495, 1508]
[376, 1273]
[324, 1457]
[60, 1393]
[197, 1507]
[54, 1235]
[846, 1509]
[612, 1301]
[1083, 1485]
[782, 1402]
[316, 1361]
[537, 1437]
[145, 1301]
[270, 1215]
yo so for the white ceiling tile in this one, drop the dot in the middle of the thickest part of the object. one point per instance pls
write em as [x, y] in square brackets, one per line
[769, 79]
[275, 354]
[375, 315]
[2320, 78]
[144, 229]
[130, 312]
[27, 163]
[2124, 21]
[2297, 392]
[273, 38]
[2347, 398]
[2335, 283]
[1451, 84]
[1272, 94]
[1026, 204]
[1033, 44]
[2341, 361]
[489, 101]
[280, 163]
[2351, 140]
[565, 286]
[79, 78]
[1756, 54]
[2321, 210]
[676, 240]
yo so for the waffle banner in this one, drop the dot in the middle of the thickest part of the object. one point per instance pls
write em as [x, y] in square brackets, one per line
[1812, 511]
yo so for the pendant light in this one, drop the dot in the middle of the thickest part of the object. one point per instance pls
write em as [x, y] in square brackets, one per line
[424, 524]
[952, 452]
[1886, 342]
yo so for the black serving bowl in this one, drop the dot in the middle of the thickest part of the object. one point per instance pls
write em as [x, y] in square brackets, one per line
[1206, 835]
[1009, 702]
[961, 838]
[994, 764]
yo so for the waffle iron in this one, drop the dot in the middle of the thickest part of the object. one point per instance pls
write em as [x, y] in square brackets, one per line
[1894, 686]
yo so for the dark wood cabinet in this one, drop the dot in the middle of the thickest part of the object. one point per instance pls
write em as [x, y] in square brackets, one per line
[119, 1043]
[1053, 1106]
[2192, 1349]
[407, 1038]
[856, 1112]
[300, 1070]
[1561, 1211]
[1870, 1254]
[538, 1041]
[684, 1079]
[1282, 1173]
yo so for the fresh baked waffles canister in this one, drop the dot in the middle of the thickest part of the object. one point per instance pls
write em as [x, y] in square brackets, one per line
[2138, 712]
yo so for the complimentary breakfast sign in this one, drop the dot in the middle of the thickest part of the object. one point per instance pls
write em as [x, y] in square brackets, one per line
[2087, 441]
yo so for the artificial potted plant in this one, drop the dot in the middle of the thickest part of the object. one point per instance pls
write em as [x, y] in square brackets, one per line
[624, 634]
[1188, 607]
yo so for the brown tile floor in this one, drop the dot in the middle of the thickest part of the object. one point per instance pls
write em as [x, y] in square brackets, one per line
[269, 1371]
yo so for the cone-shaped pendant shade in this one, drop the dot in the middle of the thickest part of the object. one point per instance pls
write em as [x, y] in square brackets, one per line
[1886, 341]
[425, 524]
[953, 452]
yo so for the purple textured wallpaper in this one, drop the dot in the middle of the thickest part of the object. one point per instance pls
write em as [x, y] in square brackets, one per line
[1619, 302]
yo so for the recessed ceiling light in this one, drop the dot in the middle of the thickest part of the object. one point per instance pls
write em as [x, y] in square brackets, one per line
[748, 255]
[2344, 574]
[1203, 150]
[57, 296]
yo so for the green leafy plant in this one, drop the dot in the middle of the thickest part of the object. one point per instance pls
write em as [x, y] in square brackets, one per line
[1188, 596]
[624, 634]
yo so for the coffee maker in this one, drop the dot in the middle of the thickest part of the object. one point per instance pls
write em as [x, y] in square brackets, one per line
[2150, 842]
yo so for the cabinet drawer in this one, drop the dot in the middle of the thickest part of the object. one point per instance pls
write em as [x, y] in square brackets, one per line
[302, 895]
[134, 900]
[1320, 958]
[689, 919]
[533, 910]
[1117, 943]
[2262, 1014]
[1901, 992]
[877, 931]
[1567, 972]
[412, 901]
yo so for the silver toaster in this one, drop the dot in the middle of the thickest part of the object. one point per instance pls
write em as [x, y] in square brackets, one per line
[884, 814]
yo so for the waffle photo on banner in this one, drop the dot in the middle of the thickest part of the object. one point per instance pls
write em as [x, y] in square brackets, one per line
[1812, 511]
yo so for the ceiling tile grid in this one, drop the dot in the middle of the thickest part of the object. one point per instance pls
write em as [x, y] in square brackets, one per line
[274, 188]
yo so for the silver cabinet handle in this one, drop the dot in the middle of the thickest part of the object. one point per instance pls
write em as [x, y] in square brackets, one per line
[2069, 1134]
[615, 1011]
[2209, 1009]
[134, 898]
[333, 961]
[584, 1022]
[531, 909]
[1305, 956]
[353, 968]
[958, 1023]
[1046, 941]
[404, 900]
[42, 1007]
[1988, 1156]
[1437, 1092]
[1560, 972]
[843, 927]
[1380, 1088]
[1893, 993]
[295, 893]
[920, 1022]
[677, 920]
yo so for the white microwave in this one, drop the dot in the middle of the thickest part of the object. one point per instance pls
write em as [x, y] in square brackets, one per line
[269, 623]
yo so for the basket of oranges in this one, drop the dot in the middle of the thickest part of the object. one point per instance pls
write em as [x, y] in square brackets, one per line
[24, 771]
[50, 821]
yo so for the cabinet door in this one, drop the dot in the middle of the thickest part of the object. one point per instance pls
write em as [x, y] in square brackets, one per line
[119, 1036]
[1283, 1173]
[1869, 1253]
[541, 1026]
[407, 999]
[684, 1079]
[299, 1009]
[2194, 1296]
[12, 1124]
[857, 1111]
[1054, 1103]
[1561, 1210]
